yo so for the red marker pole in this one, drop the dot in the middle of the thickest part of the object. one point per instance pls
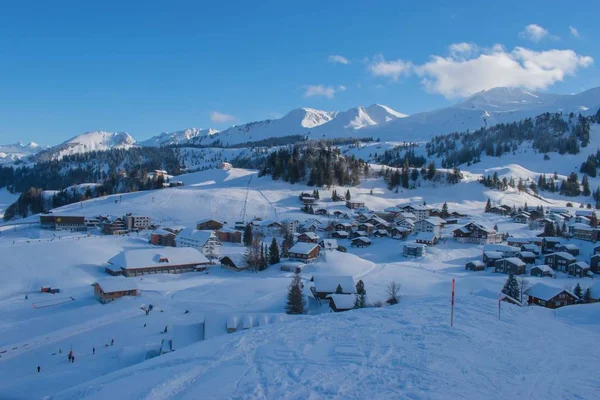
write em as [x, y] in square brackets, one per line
[452, 308]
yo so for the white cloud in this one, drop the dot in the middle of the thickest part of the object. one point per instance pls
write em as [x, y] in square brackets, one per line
[460, 77]
[462, 49]
[574, 32]
[389, 69]
[534, 32]
[322, 90]
[220, 118]
[337, 59]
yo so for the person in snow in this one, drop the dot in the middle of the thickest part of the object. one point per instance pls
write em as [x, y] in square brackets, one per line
[166, 327]
[72, 359]
[39, 369]
[93, 350]
[112, 341]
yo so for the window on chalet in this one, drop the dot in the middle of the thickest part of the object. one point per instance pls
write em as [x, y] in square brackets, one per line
[163, 260]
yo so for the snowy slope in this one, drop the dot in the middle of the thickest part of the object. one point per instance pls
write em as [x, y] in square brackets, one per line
[87, 142]
[16, 151]
[381, 114]
[406, 351]
[489, 107]
[190, 135]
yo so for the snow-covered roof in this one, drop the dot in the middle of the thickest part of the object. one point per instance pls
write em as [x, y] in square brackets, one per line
[161, 231]
[144, 258]
[570, 246]
[544, 268]
[500, 247]
[196, 235]
[582, 264]
[563, 254]
[330, 243]
[493, 254]
[329, 283]
[205, 220]
[544, 292]
[366, 224]
[531, 247]
[303, 248]
[519, 240]
[345, 224]
[436, 220]
[514, 260]
[414, 245]
[581, 226]
[342, 233]
[429, 236]
[527, 254]
[265, 223]
[477, 263]
[311, 235]
[362, 239]
[342, 301]
[116, 285]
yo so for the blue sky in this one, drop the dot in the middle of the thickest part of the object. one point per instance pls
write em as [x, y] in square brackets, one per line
[150, 66]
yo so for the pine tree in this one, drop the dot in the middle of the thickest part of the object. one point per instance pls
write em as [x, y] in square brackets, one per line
[511, 287]
[348, 195]
[295, 302]
[549, 230]
[586, 186]
[578, 291]
[361, 294]
[587, 296]
[338, 289]
[488, 205]
[274, 252]
[248, 235]
[593, 220]
[444, 212]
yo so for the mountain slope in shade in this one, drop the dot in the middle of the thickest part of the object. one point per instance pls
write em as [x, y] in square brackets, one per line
[494, 106]
[382, 114]
[87, 142]
[179, 137]
[17, 151]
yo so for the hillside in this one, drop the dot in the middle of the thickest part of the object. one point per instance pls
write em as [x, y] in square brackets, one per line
[406, 351]
[498, 105]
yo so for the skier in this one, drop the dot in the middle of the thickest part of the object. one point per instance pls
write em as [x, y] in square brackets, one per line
[72, 359]
[93, 350]
[26, 297]
[39, 369]
[112, 341]
[165, 329]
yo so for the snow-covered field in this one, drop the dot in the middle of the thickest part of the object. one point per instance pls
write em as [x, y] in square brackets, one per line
[404, 351]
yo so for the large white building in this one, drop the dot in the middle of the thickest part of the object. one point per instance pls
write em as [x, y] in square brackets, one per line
[137, 222]
[432, 225]
[206, 242]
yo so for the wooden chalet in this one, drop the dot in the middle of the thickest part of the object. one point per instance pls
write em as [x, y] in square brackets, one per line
[235, 263]
[549, 296]
[343, 226]
[108, 290]
[522, 218]
[475, 265]
[353, 205]
[366, 227]
[490, 257]
[578, 269]
[321, 211]
[542, 271]
[511, 265]
[114, 226]
[595, 263]
[340, 235]
[570, 248]
[63, 222]
[305, 252]
[477, 233]
[428, 238]
[360, 241]
[308, 237]
[381, 233]
[527, 257]
[559, 261]
[398, 232]
[162, 237]
[208, 224]
[341, 302]
[500, 210]
[324, 285]
[328, 244]
[229, 235]
[549, 243]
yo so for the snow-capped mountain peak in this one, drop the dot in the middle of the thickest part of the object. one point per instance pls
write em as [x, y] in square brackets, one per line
[189, 135]
[310, 117]
[382, 114]
[87, 142]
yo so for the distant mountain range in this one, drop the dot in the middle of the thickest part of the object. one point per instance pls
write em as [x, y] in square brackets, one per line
[498, 105]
